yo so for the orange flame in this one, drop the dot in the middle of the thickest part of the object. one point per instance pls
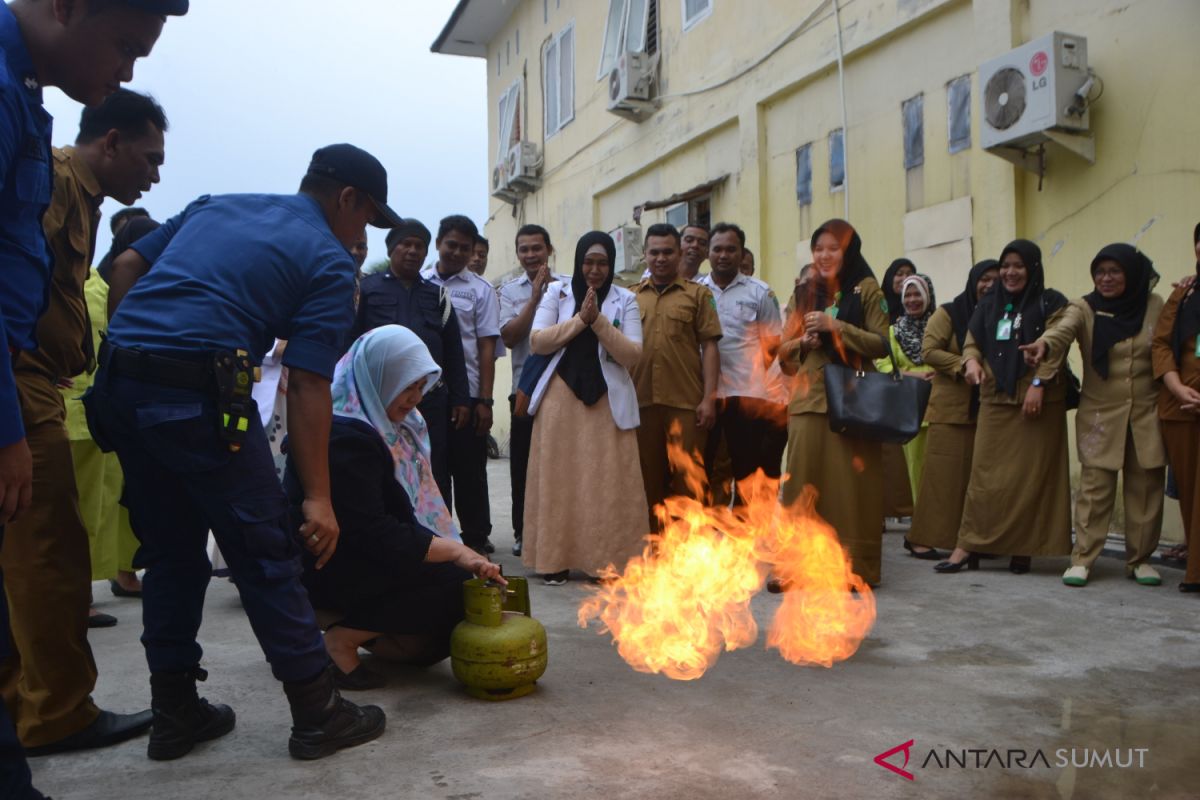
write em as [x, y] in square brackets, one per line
[686, 598]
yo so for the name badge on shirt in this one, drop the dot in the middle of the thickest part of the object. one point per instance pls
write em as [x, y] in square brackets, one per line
[832, 311]
[1198, 347]
[1004, 329]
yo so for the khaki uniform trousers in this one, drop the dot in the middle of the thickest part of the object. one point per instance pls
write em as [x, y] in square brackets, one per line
[1143, 495]
[658, 476]
[48, 680]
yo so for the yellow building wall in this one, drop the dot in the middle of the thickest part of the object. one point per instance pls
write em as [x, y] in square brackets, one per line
[726, 110]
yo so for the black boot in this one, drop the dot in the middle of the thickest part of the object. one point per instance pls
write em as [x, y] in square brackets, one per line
[181, 717]
[323, 722]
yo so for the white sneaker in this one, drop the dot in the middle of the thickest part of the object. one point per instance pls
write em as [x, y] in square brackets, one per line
[1076, 576]
[1146, 575]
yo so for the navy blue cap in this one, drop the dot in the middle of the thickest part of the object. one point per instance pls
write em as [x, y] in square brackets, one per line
[407, 228]
[169, 8]
[355, 167]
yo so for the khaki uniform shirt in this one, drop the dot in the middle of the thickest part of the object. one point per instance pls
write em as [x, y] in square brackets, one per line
[1048, 370]
[950, 400]
[1169, 407]
[870, 342]
[674, 324]
[1127, 400]
[64, 332]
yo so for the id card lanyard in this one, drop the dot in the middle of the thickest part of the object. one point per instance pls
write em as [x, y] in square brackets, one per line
[1004, 327]
[833, 309]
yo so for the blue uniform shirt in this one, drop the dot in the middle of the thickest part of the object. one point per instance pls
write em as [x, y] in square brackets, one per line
[25, 181]
[239, 271]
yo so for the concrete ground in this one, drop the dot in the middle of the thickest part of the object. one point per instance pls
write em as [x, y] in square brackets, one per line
[985, 661]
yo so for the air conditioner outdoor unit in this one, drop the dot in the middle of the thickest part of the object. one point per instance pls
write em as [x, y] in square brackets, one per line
[500, 188]
[628, 239]
[630, 85]
[522, 166]
[1035, 94]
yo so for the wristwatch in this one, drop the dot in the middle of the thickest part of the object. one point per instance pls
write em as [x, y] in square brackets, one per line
[1038, 382]
[486, 401]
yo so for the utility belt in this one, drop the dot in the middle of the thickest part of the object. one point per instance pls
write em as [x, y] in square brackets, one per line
[229, 375]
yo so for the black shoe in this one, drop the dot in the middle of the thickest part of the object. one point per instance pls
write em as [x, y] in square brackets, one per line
[101, 620]
[1019, 565]
[516, 548]
[358, 679]
[949, 567]
[182, 718]
[324, 722]
[108, 729]
[120, 591]
[924, 555]
[1189, 588]
[775, 586]
[488, 547]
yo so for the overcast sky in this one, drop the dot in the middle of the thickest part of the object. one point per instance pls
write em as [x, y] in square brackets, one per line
[253, 87]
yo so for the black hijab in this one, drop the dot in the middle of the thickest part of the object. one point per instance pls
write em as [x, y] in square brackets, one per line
[962, 307]
[135, 229]
[1029, 311]
[895, 302]
[842, 290]
[1187, 316]
[580, 365]
[1121, 317]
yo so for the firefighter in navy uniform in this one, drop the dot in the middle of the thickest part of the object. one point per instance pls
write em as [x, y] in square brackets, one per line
[211, 291]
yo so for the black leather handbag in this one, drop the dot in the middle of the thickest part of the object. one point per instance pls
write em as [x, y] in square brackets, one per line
[885, 407]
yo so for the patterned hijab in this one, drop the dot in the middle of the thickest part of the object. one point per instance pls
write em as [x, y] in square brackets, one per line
[910, 331]
[381, 364]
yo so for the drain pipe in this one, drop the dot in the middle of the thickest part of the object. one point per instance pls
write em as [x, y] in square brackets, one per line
[837, 17]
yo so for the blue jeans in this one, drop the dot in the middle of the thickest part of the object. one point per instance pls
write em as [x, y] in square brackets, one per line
[181, 481]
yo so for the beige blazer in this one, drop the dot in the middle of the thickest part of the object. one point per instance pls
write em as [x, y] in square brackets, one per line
[1127, 400]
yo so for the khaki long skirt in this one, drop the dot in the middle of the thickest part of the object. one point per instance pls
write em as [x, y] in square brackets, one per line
[585, 504]
[848, 477]
[1019, 497]
[897, 483]
[943, 491]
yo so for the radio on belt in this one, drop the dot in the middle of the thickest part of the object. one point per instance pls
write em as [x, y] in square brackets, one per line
[236, 376]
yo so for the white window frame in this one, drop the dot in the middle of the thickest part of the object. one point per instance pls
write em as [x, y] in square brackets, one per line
[552, 67]
[622, 34]
[509, 120]
[700, 17]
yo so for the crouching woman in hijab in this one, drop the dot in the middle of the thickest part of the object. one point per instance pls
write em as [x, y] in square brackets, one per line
[1019, 496]
[585, 505]
[395, 582]
[1116, 426]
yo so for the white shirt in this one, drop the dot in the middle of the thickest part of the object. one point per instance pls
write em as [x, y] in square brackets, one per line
[621, 308]
[478, 313]
[750, 316]
[514, 295]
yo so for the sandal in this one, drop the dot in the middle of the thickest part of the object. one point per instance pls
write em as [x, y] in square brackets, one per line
[1178, 553]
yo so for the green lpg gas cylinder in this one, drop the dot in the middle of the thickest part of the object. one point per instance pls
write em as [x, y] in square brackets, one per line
[499, 651]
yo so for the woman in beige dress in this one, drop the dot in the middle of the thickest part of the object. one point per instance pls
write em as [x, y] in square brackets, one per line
[1116, 426]
[839, 316]
[1019, 496]
[953, 405]
[585, 505]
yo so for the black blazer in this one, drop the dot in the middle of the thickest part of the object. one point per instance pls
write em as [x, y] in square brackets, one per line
[381, 542]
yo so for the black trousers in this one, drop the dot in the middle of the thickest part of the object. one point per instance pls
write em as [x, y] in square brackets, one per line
[519, 440]
[468, 470]
[15, 780]
[755, 434]
[435, 408]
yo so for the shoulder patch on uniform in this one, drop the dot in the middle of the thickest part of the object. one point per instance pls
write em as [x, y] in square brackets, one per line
[883, 304]
[712, 301]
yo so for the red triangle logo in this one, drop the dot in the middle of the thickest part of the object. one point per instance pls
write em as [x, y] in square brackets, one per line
[881, 759]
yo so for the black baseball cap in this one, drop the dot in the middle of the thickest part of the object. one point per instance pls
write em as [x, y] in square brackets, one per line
[356, 167]
[168, 8]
